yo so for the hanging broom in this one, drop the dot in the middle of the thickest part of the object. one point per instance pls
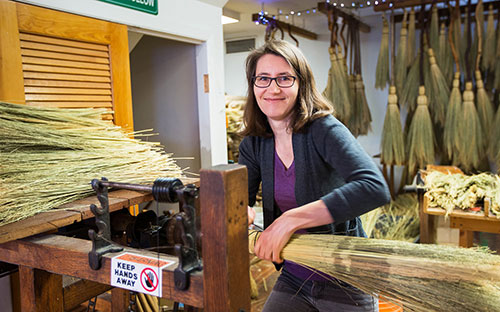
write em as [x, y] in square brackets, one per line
[420, 277]
[382, 70]
[472, 154]
[400, 64]
[451, 136]
[410, 50]
[393, 151]
[488, 61]
[362, 103]
[420, 142]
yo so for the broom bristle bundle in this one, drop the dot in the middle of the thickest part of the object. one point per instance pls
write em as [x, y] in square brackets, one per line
[49, 156]
[405, 273]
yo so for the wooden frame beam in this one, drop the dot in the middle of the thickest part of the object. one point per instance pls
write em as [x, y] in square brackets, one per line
[69, 256]
[323, 8]
[288, 27]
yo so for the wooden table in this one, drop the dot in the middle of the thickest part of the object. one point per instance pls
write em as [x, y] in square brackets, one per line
[222, 285]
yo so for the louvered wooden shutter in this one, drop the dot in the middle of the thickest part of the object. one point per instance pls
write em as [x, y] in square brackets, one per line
[65, 73]
[64, 60]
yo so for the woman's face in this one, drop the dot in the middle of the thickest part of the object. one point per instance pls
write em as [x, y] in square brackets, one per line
[275, 102]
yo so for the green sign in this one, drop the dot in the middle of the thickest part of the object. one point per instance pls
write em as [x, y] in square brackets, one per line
[148, 6]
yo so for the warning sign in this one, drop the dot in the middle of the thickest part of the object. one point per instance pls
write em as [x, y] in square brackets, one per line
[138, 273]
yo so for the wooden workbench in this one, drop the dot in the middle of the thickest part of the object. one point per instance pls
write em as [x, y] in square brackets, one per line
[222, 285]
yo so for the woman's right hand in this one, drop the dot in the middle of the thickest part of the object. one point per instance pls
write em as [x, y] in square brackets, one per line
[251, 215]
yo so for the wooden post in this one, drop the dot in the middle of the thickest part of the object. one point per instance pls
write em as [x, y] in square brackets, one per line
[119, 299]
[224, 226]
[45, 288]
[427, 223]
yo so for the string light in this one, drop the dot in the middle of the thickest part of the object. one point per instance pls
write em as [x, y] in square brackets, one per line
[264, 18]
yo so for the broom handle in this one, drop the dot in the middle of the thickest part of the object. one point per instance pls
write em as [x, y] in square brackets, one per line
[453, 18]
[421, 21]
[479, 30]
[467, 50]
[393, 46]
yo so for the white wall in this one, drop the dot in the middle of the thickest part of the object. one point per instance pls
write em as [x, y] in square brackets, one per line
[163, 74]
[183, 20]
[316, 51]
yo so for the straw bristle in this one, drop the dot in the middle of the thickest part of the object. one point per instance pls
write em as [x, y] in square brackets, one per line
[434, 30]
[444, 58]
[440, 91]
[337, 89]
[484, 107]
[489, 43]
[403, 272]
[452, 140]
[420, 142]
[393, 151]
[48, 157]
[362, 104]
[410, 88]
[471, 133]
[382, 70]
[410, 51]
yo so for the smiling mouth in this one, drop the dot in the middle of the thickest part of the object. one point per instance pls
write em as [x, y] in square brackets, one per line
[274, 99]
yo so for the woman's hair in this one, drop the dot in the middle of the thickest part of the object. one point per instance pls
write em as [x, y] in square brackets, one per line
[310, 103]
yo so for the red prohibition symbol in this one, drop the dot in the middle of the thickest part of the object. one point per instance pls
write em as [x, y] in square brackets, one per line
[149, 279]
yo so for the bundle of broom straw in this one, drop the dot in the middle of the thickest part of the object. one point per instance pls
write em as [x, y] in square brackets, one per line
[48, 156]
[418, 277]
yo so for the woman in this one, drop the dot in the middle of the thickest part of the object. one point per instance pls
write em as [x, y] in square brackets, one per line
[315, 176]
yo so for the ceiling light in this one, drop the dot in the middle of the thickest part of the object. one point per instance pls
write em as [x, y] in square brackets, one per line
[229, 16]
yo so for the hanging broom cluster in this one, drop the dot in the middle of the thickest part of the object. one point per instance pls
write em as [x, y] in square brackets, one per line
[345, 88]
[450, 89]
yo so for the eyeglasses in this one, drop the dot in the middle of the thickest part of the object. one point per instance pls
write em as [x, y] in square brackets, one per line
[281, 81]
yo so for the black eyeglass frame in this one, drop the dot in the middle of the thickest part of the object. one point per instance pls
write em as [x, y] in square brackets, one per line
[254, 78]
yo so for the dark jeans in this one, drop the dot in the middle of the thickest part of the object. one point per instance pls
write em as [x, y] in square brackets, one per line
[292, 294]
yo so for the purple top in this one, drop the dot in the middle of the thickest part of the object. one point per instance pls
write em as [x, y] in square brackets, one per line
[284, 198]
